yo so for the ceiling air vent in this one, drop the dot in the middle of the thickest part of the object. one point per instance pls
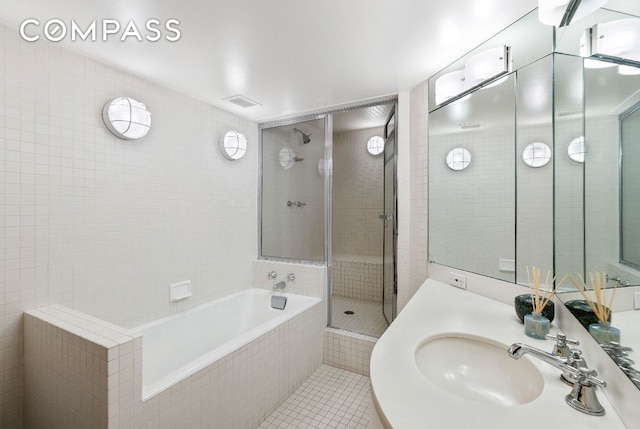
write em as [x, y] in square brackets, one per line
[242, 101]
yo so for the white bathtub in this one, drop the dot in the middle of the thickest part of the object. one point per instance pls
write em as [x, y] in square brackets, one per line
[179, 345]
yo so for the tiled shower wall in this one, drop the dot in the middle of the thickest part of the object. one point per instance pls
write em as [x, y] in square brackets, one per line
[104, 225]
[357, 203]
[357, 195]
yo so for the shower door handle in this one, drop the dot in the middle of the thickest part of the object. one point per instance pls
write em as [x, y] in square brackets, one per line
[385, 218]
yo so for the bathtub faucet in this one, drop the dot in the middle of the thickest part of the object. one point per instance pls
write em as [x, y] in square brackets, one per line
[279, 285]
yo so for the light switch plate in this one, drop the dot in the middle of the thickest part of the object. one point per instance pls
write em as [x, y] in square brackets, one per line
[636, 300]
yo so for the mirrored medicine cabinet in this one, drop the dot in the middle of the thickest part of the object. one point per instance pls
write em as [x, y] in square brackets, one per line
[512, 207]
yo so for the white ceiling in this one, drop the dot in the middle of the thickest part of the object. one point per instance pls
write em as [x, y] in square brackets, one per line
[292, 56]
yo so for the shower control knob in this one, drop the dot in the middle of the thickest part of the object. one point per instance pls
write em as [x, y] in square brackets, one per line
[272, 274]
[300, 204]
[289, 203]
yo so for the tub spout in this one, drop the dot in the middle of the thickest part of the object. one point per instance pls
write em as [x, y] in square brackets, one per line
[279, 285]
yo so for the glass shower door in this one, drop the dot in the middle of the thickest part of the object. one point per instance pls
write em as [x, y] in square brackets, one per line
[389, 220]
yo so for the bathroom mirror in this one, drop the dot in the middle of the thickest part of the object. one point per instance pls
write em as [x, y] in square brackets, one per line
[611, 196]
[629, 189]
[472, 207]
[573, 214]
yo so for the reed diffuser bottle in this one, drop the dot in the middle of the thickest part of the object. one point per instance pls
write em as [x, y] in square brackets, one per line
[535, 324]
[601, 331]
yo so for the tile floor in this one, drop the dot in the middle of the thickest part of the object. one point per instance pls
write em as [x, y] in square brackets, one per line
[367, 318]
[330, 398]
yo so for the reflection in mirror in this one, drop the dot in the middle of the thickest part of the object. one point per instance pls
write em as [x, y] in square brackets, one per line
[568, 211]
[536, 154]
[474, 208]
[568, 182]
[630, 191]
[458, 159]
[534, 192]
[293, 231]
[575, 150]
[611, 161]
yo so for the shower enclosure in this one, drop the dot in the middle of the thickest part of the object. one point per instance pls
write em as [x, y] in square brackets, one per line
[325, 199]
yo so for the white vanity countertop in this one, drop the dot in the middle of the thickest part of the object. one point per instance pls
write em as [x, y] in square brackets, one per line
[408, 400]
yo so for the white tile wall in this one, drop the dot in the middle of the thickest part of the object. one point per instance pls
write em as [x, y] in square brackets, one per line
[357, 194]
[101, 224]
[310, 278]
[474, 206]
[601, 193]
[413, 202]
[569, 197]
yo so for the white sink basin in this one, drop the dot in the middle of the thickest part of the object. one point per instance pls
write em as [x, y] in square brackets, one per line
[478, 368]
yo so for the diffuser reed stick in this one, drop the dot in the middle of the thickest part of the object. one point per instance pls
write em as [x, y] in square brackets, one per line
[599, 287]
[540, 297]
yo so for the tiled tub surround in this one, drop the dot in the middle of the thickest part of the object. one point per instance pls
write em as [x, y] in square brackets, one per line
[81, 372]
[182, 344]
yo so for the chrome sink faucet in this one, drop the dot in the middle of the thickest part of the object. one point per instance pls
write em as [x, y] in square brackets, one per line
[583, 394]
[562, 349]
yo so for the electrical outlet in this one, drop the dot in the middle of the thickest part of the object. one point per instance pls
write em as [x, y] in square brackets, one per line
[457, 280]
[636, 300]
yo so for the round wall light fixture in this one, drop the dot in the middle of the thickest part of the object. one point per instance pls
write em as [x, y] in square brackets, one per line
[232, 145]
[126, 118]
[375, 145]
[536, 154]
[575, 150]
[458, 159]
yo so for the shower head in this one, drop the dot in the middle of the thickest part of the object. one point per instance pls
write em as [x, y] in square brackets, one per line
[306, 138]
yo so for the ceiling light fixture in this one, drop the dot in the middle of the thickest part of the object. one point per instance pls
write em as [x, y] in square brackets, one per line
[482, 70]
[560, 13]
[449, 85]
[617, 41]
[485, 66]
[629, 70]
[126, 118]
